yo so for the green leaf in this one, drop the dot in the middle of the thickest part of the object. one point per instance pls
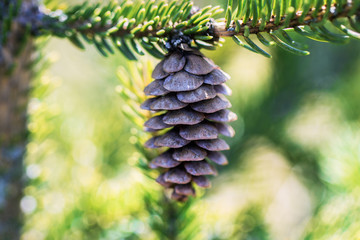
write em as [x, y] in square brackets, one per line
[141, 15]
[311, 35]
[355, 7]
[333, 37]
[237, 26]
[256, 47]
[289, 16]
[100, 48]
[228, 17]
[290, 41]
[181, 25]
[247, 10]
[205, 16]
[192, 30]
[277, 12]
[194, 17]
[187, 11]
[263, 20]
[205, 45]
[107, 45]
[146, 25]
[355, 25]
[149, 8]
[288, 47]
[136, 29]
[150, 48]
[347, 31]
[269, 10]
[76, 41]
[124, 48]
[264, 41]
[160, 32]
[240, 43]
[246, 31]
[318, 6]
[254, 13]
[203, 38]
[306, 9]
[230, 3]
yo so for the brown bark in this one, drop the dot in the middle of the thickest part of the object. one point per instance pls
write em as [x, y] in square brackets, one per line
[15, 76]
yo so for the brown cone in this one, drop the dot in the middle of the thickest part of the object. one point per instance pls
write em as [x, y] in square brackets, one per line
[190, 88]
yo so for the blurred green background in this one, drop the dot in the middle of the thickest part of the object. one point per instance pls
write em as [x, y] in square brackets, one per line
[294, 169]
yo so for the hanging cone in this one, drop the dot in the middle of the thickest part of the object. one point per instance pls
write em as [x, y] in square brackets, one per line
[189, 88]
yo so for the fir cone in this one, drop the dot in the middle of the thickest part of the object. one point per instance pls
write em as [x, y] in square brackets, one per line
[191, 115]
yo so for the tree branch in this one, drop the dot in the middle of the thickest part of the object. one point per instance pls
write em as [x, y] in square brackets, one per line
[221, 31]
[215, 29]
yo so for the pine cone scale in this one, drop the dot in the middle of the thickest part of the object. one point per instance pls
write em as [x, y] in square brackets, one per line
[217, 158]
[174, 63]
[222, 116]
[159, 72]
[189, 153]
[177, 175]
[202, 181]
[223, 89]
[216, 77]
[186, 190]
[165, 160]
[213, 105]
[156, 88]
[156, 123]
[198, 65]
[213, 145]
[182, 81]
[205, 92]
[171, 139]
[199, 168]
[183, 117]
[202, 131]
[167, 102]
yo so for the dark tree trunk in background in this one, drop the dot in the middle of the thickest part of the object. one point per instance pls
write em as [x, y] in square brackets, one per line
[15, 75]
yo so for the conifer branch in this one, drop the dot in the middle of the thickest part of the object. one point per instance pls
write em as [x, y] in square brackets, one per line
[220, 29]
[135, 28]
[132, 28]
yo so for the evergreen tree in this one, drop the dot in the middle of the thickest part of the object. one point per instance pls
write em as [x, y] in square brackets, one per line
[187, 86]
